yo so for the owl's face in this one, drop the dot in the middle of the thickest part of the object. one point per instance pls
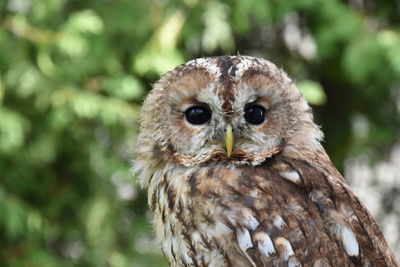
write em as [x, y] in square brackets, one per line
[224, 109]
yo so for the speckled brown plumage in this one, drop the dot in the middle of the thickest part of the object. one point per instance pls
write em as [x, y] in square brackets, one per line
[277, 200]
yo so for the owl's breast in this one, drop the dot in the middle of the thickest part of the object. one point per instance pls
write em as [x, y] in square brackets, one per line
[270, 219]
[251, 216]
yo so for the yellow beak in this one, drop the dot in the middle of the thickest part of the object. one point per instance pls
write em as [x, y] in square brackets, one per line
[229, 140]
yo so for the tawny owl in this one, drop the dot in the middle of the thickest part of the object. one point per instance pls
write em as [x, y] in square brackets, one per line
[236, 174]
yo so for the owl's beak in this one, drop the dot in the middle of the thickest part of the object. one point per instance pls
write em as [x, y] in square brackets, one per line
[229, 140]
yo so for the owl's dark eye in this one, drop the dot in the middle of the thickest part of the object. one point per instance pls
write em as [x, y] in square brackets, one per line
[197, 115]
[254, 114]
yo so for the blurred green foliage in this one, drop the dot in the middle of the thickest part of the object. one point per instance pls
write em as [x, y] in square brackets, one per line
[73, 75]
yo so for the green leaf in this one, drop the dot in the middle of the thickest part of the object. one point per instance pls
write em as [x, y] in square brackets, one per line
[86, 21]
[124, 87]
[12, 130]
[313, 92]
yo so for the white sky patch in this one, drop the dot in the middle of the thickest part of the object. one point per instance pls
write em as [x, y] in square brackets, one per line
[298, 39]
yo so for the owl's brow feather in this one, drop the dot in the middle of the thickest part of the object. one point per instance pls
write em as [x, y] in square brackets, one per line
[227, 66]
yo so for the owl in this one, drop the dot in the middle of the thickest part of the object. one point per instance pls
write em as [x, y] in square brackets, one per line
[236, 174]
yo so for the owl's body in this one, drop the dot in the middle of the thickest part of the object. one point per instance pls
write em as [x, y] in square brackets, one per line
[236, 174]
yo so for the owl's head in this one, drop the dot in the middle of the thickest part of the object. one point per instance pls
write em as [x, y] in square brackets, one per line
[229, 109]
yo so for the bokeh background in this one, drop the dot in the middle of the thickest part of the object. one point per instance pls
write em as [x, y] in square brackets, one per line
[73, 75]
